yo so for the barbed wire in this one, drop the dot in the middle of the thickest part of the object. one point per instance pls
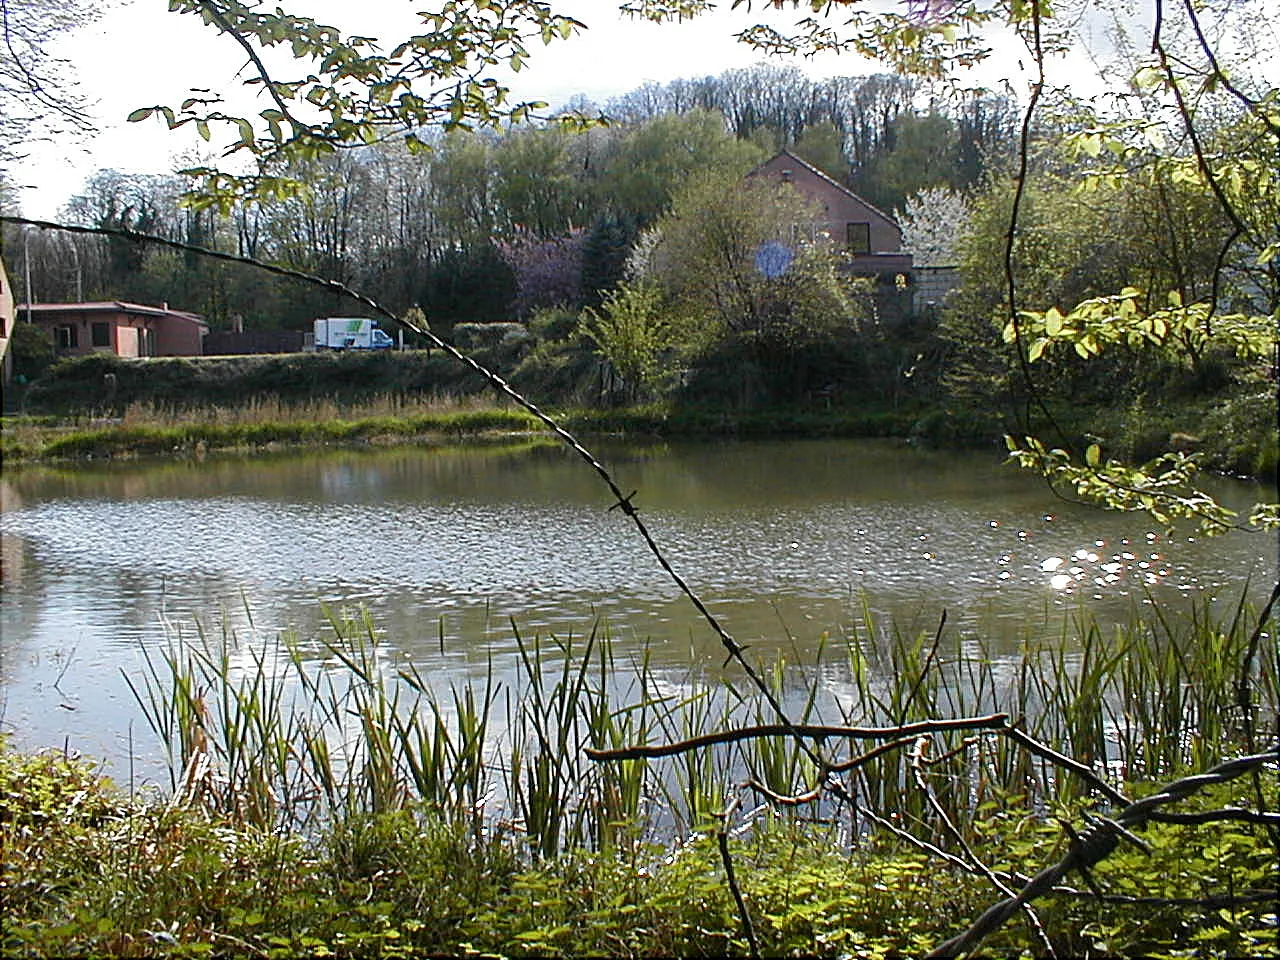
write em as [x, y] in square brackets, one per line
[735, 650]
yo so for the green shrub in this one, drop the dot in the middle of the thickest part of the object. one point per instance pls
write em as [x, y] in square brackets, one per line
[553, 324]
[1239, 434]
[32, 350]
[476, 336]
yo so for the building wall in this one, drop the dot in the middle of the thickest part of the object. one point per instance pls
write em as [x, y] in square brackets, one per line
[128, 334]
[932, 284]
[127, 340]
[7, 319]
[839, 207]
[83, 325]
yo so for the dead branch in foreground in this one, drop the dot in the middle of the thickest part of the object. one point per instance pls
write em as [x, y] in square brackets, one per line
[1088, 847]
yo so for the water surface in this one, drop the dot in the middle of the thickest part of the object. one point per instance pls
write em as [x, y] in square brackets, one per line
[785, 541]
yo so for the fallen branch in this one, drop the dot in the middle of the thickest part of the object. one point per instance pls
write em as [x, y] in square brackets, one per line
[1095, 844]
[995, 721]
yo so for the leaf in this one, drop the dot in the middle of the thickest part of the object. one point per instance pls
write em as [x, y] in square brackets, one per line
[1093, 455]
[1148, 78]
[143, 112]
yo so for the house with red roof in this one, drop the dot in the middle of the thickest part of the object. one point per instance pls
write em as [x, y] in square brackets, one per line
[125, 329]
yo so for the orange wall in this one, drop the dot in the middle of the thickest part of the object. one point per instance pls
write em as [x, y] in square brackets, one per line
[178, 338]
[174, 337]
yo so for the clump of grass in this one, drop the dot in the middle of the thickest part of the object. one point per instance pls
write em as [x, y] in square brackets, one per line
[270, 734]
[274, 410]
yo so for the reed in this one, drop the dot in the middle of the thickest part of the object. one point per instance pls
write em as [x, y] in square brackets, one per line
[303, 734]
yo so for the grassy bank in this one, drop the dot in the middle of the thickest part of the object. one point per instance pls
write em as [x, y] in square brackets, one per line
[107, 406]
[332, 802]
[143, 430]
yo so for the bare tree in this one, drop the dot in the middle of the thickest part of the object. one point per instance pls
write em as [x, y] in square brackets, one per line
[39, 98]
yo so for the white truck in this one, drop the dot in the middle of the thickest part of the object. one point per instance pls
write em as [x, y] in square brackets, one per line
[350, 333]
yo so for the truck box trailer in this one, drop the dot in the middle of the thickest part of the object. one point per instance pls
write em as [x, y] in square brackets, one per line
[350, 333]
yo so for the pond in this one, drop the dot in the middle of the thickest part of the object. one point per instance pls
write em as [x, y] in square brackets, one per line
[787, 543]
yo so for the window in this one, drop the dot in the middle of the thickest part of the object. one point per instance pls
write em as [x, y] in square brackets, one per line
[803, 233]
[102, 334]
[858, 236]
[66, 337]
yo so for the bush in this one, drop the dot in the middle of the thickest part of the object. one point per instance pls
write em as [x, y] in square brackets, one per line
[1239, 435]
[480, 336]
[77, 385]
[553, 324]
[32, 350]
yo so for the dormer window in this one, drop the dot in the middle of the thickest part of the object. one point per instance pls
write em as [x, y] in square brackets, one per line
[787, 176]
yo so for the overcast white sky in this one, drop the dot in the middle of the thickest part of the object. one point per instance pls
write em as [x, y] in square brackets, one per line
[138, 54]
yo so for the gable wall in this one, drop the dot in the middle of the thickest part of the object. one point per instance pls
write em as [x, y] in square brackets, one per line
[839, 206]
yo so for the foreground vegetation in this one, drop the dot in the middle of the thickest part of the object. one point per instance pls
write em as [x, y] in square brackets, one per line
[327, 800]
[101, 873]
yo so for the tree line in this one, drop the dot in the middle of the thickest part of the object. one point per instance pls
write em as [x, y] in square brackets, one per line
[488, 225]
[634, 240]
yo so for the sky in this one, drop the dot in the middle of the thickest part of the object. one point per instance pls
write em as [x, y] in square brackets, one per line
[615, 55]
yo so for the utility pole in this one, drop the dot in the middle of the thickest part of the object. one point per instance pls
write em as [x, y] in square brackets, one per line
[75, 253]
[26, 268]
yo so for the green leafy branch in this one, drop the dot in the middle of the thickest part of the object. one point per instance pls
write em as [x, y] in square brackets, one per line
[1161, 488]
[354, 95]
[1120, 319]
[629, 330]
[934, 41]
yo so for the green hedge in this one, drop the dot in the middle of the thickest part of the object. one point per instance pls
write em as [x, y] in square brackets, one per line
[83, 384]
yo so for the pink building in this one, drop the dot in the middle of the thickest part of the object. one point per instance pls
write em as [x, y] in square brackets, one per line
[871, 239]
[125, 329]
[6, 326]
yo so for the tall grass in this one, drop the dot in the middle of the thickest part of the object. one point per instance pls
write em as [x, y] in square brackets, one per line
[272, 410]
[282, 732]
[153, 430]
